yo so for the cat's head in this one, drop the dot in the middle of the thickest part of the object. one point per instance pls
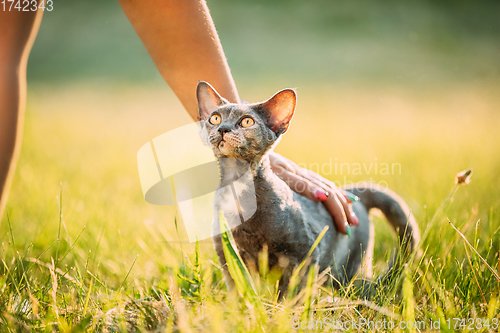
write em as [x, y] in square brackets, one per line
[244, 131]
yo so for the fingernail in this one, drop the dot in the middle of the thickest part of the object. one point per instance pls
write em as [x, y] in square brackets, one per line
[355, 219]
[320, 195]
[351, 196]
[348, 230]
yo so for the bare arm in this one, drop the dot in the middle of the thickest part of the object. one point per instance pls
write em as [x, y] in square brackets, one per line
[181, 38]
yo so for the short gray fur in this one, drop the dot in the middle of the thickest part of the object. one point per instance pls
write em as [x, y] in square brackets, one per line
[287, 222]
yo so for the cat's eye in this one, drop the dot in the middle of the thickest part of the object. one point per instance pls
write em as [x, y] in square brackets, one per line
[247, 122]
[215, 119]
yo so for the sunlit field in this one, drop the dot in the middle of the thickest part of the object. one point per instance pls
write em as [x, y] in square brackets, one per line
[77, 181]
[82, 250]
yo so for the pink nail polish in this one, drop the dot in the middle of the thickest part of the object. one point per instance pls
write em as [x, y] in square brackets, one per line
[320, 195]
[355, 219]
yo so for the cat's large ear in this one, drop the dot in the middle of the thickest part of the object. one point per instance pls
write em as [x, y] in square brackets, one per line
[208, 99]
[279, 109]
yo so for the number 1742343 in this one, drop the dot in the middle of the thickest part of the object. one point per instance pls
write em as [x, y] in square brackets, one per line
[26, 5]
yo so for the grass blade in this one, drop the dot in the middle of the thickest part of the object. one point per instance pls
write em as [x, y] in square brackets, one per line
[495, 274]
[294, 280]
[129, 272]
[239, 272]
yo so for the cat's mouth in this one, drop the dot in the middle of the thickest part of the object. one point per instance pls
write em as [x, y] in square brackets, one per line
[229, 139]
[224, 143]
[226, 148]
[228, 143]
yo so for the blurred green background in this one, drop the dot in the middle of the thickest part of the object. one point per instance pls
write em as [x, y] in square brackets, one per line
[419, 43]
[410, 82]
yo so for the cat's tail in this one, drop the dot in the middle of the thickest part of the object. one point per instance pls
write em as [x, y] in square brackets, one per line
[397, 213]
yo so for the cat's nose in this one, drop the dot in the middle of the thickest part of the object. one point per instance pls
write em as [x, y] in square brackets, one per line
[224, 129]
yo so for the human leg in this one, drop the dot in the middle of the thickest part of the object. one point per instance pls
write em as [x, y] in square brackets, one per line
[18, 30]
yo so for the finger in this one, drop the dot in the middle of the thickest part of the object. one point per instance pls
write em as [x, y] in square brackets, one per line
[352, 219]
[316, 179]
[278, 169]
[279, 163]
[311, 174]
[345, 197]
[349, 196]
[336, 210]
[309, 190]
[303, 186]
[335, 203]
[276, 158]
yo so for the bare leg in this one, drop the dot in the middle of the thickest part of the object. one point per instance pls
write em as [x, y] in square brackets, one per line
[181, 38]
[17, 33]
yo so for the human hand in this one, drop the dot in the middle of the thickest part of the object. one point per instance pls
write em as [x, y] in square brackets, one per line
[314, 187]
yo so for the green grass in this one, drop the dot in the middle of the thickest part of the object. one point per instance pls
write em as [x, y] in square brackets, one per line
[411, 83]
[81, 249]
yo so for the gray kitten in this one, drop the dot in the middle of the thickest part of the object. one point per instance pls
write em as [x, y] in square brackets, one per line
[288, 223]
